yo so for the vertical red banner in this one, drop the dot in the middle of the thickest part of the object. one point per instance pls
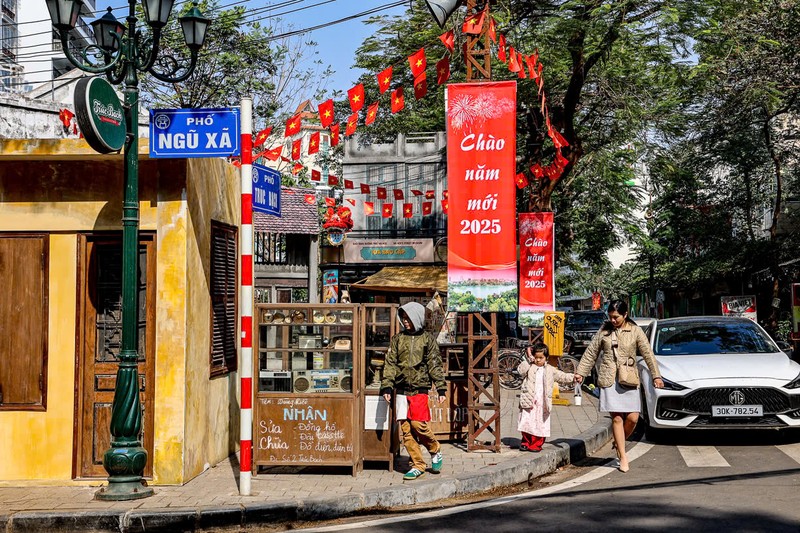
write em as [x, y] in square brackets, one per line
[536, 253]
[481, 221]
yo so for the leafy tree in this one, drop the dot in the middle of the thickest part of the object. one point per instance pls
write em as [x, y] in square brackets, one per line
[241, 57]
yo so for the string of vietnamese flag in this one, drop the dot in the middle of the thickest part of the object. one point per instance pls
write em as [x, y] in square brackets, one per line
[526, 66]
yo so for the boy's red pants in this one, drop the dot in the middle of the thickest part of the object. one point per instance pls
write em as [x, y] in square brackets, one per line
[531, 441]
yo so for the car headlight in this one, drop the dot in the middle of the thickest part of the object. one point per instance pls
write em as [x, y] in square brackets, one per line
[671, 385]
[794, 384]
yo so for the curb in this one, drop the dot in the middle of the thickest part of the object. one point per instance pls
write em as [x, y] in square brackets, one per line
[513, 472]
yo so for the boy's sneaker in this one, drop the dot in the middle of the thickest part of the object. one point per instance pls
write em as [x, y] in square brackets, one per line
[436, 462]
[414, 473]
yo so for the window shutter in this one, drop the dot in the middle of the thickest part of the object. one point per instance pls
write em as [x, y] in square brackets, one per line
[23, 321]
[224, 256]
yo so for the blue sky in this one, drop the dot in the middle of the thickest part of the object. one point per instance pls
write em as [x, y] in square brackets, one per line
[337, 43]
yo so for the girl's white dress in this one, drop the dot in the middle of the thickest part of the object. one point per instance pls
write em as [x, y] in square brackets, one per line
[536, 420]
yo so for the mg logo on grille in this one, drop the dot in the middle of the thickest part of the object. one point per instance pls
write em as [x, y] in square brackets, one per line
[736, 397]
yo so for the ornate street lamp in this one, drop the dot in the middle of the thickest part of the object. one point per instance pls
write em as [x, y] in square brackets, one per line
[120, 53]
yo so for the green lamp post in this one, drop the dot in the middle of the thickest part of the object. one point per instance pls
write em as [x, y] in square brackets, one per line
[121, 52]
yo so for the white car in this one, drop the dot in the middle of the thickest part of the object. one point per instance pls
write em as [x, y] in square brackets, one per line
[718, 372]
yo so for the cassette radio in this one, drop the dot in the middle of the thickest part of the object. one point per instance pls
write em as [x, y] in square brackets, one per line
[322, 381]
[275, 381]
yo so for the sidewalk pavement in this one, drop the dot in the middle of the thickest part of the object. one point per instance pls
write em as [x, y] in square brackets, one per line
[285, 494]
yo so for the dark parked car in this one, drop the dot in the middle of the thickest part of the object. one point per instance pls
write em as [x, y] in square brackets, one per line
[581, 327]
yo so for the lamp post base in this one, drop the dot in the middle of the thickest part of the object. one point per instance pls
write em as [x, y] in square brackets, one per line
[125, 465]
[124, 491]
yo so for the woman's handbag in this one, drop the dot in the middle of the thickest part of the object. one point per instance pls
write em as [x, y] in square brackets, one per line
[627, 375]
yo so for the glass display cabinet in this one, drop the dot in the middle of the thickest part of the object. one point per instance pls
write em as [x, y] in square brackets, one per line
[378, 326]
[308, 367]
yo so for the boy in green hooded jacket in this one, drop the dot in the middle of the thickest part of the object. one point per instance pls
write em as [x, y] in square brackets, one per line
[413, 366]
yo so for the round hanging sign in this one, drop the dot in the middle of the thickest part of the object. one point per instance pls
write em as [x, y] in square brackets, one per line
[100, 114]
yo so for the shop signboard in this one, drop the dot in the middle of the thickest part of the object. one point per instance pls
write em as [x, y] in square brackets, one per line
[305, 430]
[388, 251]
[481, 221]
[100, 115]
[536, 280]
[739, 306]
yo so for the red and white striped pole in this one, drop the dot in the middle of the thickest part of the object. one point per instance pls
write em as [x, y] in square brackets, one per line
[246, 299]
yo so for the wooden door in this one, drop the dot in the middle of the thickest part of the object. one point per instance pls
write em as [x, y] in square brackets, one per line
[100, 337]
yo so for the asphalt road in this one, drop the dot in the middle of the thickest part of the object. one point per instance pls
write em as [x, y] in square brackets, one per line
[734, 481]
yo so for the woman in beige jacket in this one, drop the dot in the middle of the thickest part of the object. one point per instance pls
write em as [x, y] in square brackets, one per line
[623, 403]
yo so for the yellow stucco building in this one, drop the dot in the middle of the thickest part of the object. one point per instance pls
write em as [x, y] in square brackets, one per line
[60, 257]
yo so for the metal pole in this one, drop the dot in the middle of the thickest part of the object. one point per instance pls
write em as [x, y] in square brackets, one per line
[126, 459]
[246, 357]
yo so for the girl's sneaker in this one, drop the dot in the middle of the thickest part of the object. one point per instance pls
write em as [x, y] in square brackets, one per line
[414, 473]
[436, 462]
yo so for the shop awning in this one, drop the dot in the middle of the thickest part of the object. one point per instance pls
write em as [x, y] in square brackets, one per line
[406, 279]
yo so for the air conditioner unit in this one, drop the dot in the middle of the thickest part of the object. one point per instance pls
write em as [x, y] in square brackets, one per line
[322, 381]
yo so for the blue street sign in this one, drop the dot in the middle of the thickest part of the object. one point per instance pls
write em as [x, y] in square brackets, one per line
[179, 133]
[266, 190]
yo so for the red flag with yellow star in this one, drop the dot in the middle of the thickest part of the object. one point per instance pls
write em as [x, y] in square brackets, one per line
[385, 80]
[313, 143]
[445, 194]
[369, 208]
[537, 171]
[364, 188]
[416, 192]
[513, 66]
[261, 136]
[297, 168]
[381, 193]
[330, 202]
[448, 38]
[398, 194]
[418, 62]
[335, 134]
[408, 210]
[521, 181]
[420, 86]
[430, 195]
[274, 154]
[310, 199]
[350, 201]
[293, 126]
[326, 113]
[352, 123]
[473, 25]
[492, 29]
[443, 70]
[356, 97]
[333, 180]
[65, 115]
[372, 113]
[348, 184]
[521, 63]
[297, 149]
[445, 206]
[501, 48]
[427, 208]
[398, 102]
[386, 210]
[316, 175]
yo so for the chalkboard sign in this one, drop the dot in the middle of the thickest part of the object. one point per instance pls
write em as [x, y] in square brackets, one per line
[304, 430]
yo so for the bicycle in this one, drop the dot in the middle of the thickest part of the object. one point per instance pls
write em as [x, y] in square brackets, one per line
[508, 359]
